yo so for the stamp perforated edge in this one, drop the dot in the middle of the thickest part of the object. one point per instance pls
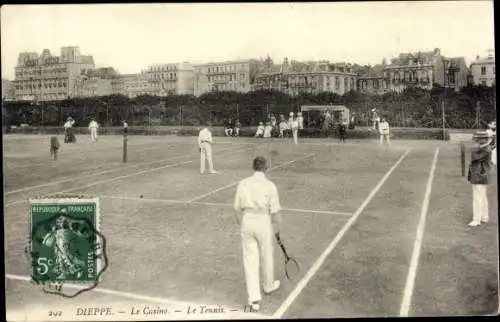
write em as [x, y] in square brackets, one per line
[61, 199]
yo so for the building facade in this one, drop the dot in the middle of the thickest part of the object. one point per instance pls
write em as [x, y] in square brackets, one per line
[170, 79]
[130, 85]
[483, 71]
[8, 90]
[47, 77]
[237, 76]
[424, 70]
[295, 78]
[96, 82]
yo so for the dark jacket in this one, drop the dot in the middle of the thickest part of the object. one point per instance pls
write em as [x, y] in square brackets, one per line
[479, 167]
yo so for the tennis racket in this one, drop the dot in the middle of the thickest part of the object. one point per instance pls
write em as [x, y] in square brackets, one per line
[292, 268]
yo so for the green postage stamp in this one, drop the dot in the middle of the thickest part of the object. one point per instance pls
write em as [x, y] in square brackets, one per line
[66, 246]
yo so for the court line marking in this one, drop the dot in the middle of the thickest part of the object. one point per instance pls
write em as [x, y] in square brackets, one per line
[87, 175]
[221, 205]
[134, 296]
[46, 160]
[317, 264]
[102, 172]
[417, 246]
[113, 179]
[236, 182]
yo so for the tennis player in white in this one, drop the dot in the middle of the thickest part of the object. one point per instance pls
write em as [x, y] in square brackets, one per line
[257, 209]
[205, 144]
[93, 126]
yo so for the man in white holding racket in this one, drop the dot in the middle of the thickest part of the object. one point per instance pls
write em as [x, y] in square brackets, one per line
[93, 126]
[205, 146]
[257, 209]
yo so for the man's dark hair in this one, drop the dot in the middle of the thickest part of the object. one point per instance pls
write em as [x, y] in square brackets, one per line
[259, 164]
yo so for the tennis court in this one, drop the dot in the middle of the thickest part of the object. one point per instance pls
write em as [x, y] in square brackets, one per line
[352, 218]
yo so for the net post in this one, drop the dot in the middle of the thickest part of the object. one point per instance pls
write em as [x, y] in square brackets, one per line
[125, 143]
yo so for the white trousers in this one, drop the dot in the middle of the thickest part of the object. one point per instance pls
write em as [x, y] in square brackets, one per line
[229, 132]
[257, 240]
[479, 203]
[295, 134]
[386, 138]
[93, 135]
[494, 156]
[206, 155]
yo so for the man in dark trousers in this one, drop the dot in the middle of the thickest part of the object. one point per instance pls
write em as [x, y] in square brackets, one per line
[479, 169]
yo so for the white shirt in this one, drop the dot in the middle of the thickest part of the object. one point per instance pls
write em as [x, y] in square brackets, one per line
[257, 194]
[267, 131]
[295, 124]
[68, 124]
[204, 136]
[93, 125]
[383, 127]
[260, 129]
[300, 121]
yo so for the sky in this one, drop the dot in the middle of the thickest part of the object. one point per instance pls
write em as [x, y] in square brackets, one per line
[130, 37]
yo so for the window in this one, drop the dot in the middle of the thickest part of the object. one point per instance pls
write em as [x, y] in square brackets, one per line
[484, 83]
[483, 70]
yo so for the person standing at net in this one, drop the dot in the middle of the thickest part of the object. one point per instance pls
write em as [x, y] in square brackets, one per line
[93, 126]
[383, 129]
[342, 131]
[479, 168]
[258, 209]
[295, 130]
[69, 137]
[205, 145]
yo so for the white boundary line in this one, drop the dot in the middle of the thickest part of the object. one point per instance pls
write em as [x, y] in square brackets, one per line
[102, 172]
[412, 272]
[46, 160]
[137, 296]
[223, 205]
[114, 178]
[236, 182]
[317, 264]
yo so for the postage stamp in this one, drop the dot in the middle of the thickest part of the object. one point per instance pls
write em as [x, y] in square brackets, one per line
[67, 250]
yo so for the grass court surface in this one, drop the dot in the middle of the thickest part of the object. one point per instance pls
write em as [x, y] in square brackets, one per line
[353, 218]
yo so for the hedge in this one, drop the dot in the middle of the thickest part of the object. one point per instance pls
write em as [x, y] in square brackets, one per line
[357, 133]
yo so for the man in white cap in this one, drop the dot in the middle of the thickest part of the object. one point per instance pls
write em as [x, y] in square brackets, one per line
[93, 126]
[205, 146]
[257, 209]
[383, 129]
[295, 130]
